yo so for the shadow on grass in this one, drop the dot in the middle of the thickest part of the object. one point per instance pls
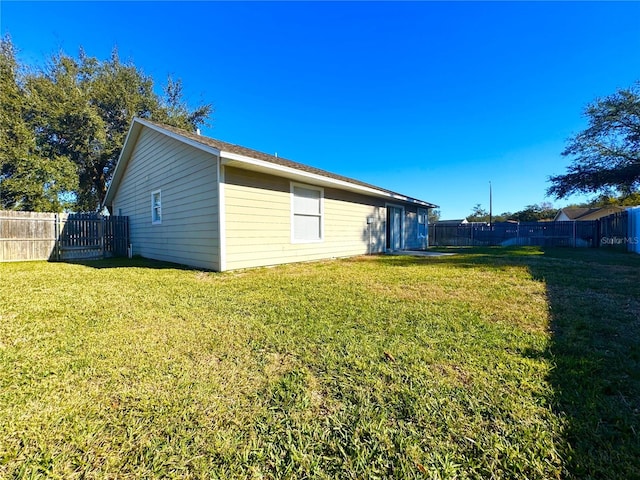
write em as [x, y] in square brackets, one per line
[135, 262]
[594, 301]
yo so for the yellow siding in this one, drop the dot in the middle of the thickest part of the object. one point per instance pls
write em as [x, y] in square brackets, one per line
[258, 222]
[187, 178]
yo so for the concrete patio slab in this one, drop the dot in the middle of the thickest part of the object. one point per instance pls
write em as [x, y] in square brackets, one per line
[420, 253]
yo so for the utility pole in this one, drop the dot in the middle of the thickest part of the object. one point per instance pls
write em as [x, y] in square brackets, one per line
[490, 207]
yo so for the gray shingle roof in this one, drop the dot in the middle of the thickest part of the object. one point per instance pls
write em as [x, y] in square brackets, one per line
[578, 213]
[248, 152]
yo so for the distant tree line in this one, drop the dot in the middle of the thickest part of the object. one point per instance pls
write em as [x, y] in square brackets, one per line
[62, 127]
[531, 213]
[545, 211]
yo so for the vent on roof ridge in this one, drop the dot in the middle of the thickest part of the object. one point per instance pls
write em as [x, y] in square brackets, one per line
[197, 131]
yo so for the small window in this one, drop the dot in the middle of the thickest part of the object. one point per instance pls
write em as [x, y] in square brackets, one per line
[156, 207]
[306, 214]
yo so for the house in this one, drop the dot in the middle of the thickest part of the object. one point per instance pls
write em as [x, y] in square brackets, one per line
[581, 214]
[214, 205]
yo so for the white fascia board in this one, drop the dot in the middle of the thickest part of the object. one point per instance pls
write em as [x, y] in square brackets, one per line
[414, 201]
[119, 169]
[242, 161]
[289, 172]
[180, 138]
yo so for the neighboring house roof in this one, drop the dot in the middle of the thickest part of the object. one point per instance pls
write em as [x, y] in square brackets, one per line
[586, 213]
[242, 157]
[462, 221]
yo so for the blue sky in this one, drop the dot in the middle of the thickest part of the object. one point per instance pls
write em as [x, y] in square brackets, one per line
[430, 99]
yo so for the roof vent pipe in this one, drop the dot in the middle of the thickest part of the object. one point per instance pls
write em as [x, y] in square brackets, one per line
[197, 131]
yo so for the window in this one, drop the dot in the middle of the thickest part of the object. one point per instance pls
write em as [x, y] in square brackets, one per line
[156, 207]
[306, 214]
[423, 219]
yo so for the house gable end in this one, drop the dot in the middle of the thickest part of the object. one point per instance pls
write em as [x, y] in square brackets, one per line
[242, 157]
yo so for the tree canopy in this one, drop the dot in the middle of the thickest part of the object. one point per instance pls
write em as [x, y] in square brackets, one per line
[534, 213]
[478, 214]
[64, 126]
[606, 155]
[28, 180]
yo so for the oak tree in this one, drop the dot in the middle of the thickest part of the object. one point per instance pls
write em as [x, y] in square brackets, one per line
[29, 180]
[63, 126]
[606, 155]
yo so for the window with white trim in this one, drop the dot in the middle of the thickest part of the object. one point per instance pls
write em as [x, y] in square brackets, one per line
[423, 219]
[156, 207]
[307, 223]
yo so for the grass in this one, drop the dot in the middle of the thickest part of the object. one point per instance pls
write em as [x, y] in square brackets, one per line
[493, 363]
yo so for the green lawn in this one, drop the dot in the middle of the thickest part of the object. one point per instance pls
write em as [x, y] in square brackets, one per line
[493, 363]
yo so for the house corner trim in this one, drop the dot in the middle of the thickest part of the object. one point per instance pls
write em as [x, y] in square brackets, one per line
[222, 227]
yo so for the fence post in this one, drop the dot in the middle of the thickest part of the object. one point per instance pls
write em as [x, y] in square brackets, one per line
[56, 233]
[102, 232]
[574, 233]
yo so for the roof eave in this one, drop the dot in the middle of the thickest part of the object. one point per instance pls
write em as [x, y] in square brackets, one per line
[248, 163]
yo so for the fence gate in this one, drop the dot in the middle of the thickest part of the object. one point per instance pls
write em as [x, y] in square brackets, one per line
[52, 236]
[85, 236]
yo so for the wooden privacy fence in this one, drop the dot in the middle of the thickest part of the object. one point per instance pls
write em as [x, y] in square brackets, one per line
[61, 236]
[604, 232]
